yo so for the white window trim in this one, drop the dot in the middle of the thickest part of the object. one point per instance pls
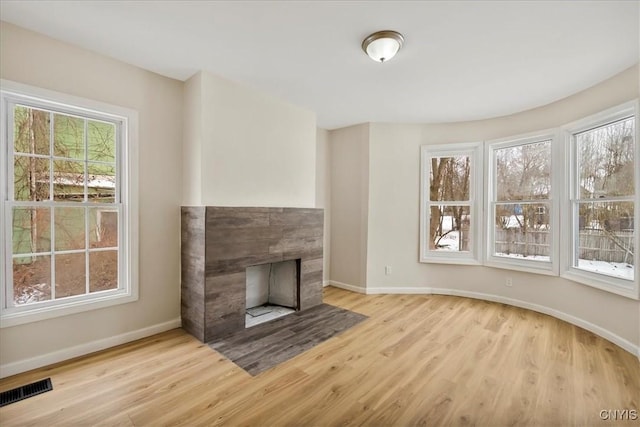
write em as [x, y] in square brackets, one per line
[531, 266]
[474, 151]
[611, 284]
[128, 245]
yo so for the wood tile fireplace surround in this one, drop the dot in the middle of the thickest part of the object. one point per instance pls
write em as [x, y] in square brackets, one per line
[219, 243]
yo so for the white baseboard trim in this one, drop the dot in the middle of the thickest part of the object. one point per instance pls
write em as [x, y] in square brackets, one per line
[347, 287]
[20, 366]
[598, 330]
[325, 283]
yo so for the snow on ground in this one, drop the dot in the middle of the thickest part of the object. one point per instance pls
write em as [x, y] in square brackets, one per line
[616, 269]
[528, 257]
[450, 242]
[512, 221]
[31, 294]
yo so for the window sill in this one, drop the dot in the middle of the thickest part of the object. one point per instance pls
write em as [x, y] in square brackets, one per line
[14, 317]
[449, 259]
[625, 288]
[535, 267]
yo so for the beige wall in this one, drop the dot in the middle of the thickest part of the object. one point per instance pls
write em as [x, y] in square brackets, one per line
[349, 204]
[29, 58]
[323, 193]
[192, 142]
[254, 149]
[393, 237]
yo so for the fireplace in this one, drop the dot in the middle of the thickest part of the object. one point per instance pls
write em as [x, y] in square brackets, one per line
[272, 291]
[226, 253]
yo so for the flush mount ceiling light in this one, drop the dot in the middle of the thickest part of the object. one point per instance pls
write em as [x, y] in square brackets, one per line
[381, 46]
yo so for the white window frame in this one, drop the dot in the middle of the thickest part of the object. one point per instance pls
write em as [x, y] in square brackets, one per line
[601, 281]
[127, 172]
[474, 151]
[550, 267]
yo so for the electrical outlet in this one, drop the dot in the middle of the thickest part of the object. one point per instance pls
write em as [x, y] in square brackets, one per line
[387, 270]
[508, 282]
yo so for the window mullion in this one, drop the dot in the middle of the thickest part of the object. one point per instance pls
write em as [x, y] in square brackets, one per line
[86, 209]
[10, 151]
[53, 253]
[52, 226]
[119, 139]
[51, 151]
[606, 199]
[7, 215]
[86, 250]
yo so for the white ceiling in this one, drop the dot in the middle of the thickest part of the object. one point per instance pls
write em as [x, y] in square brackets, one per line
[462, 60]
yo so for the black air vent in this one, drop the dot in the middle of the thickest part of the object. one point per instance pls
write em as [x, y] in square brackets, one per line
[25, 391]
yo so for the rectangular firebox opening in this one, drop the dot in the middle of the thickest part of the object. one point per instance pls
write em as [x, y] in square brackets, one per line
[273, 291]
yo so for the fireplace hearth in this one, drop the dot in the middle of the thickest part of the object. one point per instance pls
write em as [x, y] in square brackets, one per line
[226, 252]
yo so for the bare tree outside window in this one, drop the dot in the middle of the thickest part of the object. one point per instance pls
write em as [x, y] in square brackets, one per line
[522, 192]
[605, 207]
[449, 221]
[62, 165]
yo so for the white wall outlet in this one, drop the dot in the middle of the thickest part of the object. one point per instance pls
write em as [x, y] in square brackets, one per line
[509, 282]
[387, 270]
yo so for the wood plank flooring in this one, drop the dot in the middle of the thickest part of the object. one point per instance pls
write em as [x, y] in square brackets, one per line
[267, 345]
[417, 360]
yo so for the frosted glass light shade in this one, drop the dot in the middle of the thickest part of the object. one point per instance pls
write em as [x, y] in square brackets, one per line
[383, 45]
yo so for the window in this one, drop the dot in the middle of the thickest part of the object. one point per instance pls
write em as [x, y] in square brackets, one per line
[451, 183]
[521, 227]
[551, 208]
[68, 206]
[602, 201]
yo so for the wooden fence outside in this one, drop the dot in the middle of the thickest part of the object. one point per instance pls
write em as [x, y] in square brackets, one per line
[594, 244]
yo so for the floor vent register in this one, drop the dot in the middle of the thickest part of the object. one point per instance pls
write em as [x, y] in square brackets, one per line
[24, 392]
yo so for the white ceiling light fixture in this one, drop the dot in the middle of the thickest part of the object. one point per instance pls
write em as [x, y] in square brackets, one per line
[381, 46]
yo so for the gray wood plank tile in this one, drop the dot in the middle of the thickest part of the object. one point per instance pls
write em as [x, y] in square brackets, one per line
[269, 344]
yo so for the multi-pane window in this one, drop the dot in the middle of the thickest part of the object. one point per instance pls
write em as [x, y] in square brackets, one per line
[529, 214]
[520, 203]
[603, 199]
[63, 204]
[451, 180]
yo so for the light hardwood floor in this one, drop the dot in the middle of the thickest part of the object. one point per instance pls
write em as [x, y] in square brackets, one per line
[418, 360]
